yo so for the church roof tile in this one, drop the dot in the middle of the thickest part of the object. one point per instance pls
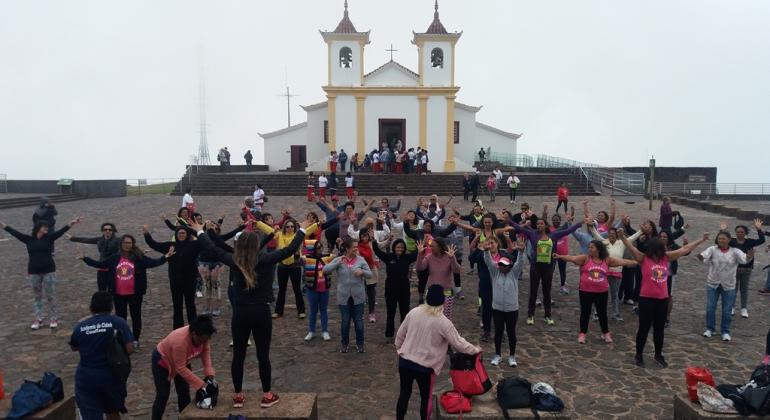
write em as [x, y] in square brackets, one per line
[346, 25]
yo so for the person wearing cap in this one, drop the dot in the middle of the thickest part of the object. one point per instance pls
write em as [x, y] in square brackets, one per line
[505, 275]
[421, 344]
[107, 244]
[493, 245]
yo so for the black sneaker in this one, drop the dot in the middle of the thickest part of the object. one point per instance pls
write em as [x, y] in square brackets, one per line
[360, 349]
[344, 348]
[485, 336]
[661, 361]
[639, 360]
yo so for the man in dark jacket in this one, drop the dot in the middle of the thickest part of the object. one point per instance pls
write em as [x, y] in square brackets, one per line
[475, 182]
[343, 159]
[107, 244]
[248, 158]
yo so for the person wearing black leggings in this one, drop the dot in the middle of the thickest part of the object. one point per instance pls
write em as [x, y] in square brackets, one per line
[397, 289]
[182, 271]
[127, 274]
[251, 303]
[653, 295]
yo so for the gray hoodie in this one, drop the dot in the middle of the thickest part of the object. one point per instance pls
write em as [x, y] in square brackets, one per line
[505, 287]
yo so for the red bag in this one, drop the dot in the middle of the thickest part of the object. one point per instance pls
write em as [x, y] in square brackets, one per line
[468, 374]
[455, 403]
[693, 375]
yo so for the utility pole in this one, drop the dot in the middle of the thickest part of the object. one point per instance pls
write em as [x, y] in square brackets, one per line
[652, 179]
[288, 97]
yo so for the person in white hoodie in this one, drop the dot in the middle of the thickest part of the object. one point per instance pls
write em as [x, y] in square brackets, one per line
[505, 277]
[616, 249]
[723, 263]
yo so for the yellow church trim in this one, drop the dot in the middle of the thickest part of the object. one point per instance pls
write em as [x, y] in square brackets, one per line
[391, 90]
[423, 100]
[453, 64]
[421, 69]
[361, 66]
[361, 125]
[332, 109]
[449, 163]
[329, 59]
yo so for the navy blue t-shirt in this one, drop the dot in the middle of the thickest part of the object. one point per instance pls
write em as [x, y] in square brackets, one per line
[91, 336]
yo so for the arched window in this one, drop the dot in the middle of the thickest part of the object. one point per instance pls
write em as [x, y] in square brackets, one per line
[437, 58]
[346, 57]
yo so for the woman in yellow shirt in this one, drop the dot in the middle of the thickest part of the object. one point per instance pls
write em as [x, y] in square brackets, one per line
[290, 268]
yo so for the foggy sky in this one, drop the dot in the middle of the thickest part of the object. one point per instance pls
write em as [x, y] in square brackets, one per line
[105, 89]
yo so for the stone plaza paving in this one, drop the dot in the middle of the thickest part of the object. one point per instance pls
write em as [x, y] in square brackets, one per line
[595, 380]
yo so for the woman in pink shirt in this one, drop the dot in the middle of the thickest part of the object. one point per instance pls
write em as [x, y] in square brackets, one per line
[653, 296]
[441, 265]
[594, 286]
[171, 361]
[421, 344]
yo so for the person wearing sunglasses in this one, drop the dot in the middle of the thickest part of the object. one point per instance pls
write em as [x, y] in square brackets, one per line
[107, 244]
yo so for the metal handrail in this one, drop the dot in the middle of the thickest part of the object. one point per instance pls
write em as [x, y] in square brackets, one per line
[711, 188]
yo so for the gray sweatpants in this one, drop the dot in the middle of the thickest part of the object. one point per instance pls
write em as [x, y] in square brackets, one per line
[614, 289]
[742, 284]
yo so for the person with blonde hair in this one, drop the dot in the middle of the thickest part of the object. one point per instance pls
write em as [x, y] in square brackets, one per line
[421, 343]
[251, 277]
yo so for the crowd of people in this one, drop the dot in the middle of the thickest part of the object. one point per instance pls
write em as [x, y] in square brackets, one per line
[387, 159]
[345, 250]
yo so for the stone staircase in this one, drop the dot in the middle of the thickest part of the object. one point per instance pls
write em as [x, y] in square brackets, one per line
[33, 201]
[368, 184]
[722, 209]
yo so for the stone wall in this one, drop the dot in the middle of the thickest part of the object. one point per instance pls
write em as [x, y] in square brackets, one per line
[675, 173]
[87, 188]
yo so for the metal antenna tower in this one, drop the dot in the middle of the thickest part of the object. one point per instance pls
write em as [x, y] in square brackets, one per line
[203, 146]
[288, 97]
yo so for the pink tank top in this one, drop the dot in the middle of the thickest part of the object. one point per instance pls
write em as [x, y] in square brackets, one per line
[654, 278]
[593, 277]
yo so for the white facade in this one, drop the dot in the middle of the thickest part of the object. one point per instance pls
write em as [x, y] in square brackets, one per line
[420, 104]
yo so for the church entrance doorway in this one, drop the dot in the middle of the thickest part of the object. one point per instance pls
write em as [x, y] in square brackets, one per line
[391, 131]
[298, 157]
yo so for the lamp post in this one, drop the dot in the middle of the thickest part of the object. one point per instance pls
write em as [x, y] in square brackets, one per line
[652, 179]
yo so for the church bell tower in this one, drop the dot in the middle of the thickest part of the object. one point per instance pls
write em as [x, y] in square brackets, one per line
[436, 48]
[346, 53]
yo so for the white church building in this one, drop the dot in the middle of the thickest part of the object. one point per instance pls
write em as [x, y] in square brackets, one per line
[390, 103]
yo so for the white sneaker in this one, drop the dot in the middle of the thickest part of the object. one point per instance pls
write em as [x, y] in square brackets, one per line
[726, 337]
[309, 336]
[512, 361]
[496, 360]
[199, 294]
[326, 336]
[744, 313]
[36, 325]
[732, 311]
[54, 323]
[708, 333]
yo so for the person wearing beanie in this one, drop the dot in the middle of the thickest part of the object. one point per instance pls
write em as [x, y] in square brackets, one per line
[421, 344]
[505, 276]
[107, 244]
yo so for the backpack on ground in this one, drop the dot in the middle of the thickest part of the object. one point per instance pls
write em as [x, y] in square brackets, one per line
[544, 398]
[514, 392]
[454, 402]
[53, 385]
[468, 374]
[117, 356]
[34, 396]
[757, 399]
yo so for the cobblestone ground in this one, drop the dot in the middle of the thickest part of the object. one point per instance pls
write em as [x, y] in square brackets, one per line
[595, 380]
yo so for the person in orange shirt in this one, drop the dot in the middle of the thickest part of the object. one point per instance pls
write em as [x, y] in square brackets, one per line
[171, 361]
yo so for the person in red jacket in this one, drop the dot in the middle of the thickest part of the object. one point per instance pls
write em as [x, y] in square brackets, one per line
[562, 195]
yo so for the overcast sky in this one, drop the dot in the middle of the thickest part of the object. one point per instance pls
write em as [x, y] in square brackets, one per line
[105, 89]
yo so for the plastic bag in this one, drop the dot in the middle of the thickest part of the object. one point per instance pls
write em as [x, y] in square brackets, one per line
[711, 400]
